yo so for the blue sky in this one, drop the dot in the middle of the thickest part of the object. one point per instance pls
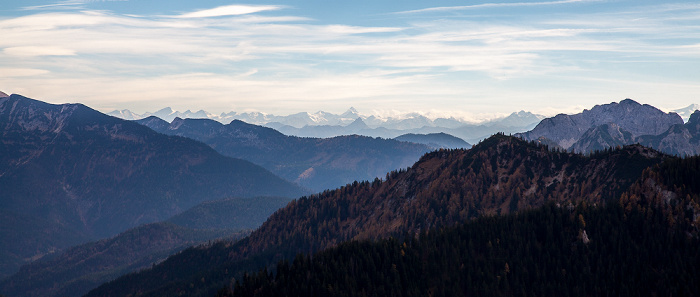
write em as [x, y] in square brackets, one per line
[469, 59]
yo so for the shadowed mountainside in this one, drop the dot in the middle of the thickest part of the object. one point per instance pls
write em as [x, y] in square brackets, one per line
[315, 163]
[79, 269]
[70, 174]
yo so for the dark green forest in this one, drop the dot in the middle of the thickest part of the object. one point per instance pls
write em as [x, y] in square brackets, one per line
[541, 252]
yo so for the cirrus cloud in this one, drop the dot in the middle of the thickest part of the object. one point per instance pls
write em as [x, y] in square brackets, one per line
[34, 51]
[259, 57]
[229, 10]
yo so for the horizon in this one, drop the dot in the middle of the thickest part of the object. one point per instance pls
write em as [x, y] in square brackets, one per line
[384, 115]
[476, 61]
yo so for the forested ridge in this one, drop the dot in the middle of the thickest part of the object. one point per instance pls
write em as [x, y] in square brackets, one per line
[536, 253]
[499, 176]
[643, 244]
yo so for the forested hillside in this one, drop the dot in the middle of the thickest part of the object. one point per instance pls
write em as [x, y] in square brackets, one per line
[643, 244]
[498, 176]
[551, 251]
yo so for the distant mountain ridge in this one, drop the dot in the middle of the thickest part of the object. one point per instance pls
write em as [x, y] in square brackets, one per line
[315, 163]
[324, 124]
[687, 111]
[617, 124]
[435, 140]
[70, 174]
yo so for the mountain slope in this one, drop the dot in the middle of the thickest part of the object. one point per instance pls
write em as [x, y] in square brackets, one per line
[435, 140]
[602, 137]
[643, 243]
[498, 176]
[545, 252]
[679, 139]
[84, 267]
[70, 174]
[232, 214]
[687, 111]
[628, 115]
[315, 163]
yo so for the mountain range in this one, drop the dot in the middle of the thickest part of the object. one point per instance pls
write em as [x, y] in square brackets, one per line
[500, 175]
[297, 120]
[617, 124]
[315, 163]
[324, 124]
[70, 174]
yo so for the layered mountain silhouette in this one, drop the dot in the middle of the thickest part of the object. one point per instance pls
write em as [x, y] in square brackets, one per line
[81, 268]
[498, 176]
[435, 140]
[617, 124]
[69, 174]
[685, 112]
[636, 202]
[325, 125]
[315, 163]
[416, 124]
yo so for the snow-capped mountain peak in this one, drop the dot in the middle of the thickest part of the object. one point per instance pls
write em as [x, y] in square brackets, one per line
[685, 112]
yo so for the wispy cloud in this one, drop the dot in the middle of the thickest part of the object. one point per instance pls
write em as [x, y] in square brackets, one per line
[66, 4]
[69, 4]
[33, 51]
[492, 5]
[229, 10]
[21, 72]
[244, 57]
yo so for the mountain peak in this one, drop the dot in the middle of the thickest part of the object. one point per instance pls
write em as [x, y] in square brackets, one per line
[628, 115]
[3, 95]
[629, 101]
[358, 124]
[685, 112]
[352, 112]
[695, 117]
[166, 110]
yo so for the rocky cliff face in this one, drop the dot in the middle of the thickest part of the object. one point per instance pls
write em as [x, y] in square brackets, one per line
[602, 137]
[604, 126]
[682, 140]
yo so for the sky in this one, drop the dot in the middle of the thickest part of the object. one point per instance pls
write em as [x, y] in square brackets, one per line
[467, 59]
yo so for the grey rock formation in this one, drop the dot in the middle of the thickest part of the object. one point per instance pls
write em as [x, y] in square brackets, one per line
[604, 126]
[602, 137]
[682, 140]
